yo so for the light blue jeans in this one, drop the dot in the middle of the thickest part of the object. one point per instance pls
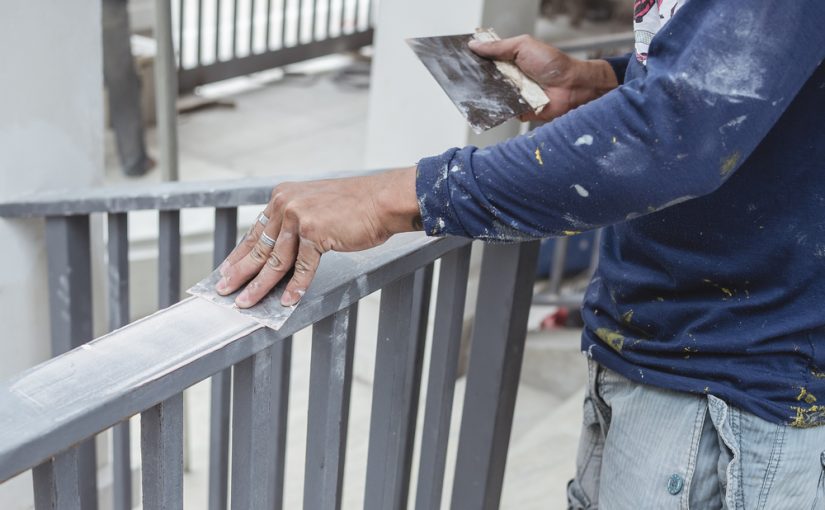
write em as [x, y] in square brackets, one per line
[647, 448]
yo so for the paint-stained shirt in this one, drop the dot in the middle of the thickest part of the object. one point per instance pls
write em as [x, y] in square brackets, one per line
[707, 169]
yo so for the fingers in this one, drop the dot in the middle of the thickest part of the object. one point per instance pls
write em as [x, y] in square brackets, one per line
[306, 264]
[278, 262]
[250, 239]
[505, 49]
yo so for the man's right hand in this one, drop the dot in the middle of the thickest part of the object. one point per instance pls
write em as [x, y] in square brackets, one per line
[567, 81]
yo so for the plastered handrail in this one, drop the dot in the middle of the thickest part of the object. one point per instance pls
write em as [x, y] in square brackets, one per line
[55, 405]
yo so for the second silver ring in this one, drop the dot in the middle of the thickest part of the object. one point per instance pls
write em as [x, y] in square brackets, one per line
[262, 219]
[267, 240]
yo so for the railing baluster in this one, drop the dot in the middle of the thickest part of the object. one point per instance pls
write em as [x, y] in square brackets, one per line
[328, 26]
[398, 360]
[444, 352]
[161, 430]
[281, 363]
[330, 380]
[251, 27]
[70, 310]
[217, 31]
[118, 248]
[235, 28]
[180, 33]
[300, 28]
[268, 29]
[253, 455]
[56, 481]
[166, 90]
[284, 24]
[199, 42]
[504, 294]
[342, 21]
[168, 258]
[226, 233]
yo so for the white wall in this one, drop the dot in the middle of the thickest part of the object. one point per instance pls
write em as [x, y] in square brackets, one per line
[51, 137]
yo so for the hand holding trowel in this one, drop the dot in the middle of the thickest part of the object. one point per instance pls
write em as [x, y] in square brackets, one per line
[487, 92]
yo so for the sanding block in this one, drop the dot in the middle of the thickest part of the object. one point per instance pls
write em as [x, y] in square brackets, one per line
[486, 92]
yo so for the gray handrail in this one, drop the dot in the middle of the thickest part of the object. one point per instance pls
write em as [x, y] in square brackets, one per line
[52, 406]
[156, 196]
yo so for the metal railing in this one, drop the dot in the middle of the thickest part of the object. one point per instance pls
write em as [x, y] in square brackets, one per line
[49, 413]
[219, 39]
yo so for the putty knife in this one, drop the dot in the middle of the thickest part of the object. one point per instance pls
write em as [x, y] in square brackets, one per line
[486, 92]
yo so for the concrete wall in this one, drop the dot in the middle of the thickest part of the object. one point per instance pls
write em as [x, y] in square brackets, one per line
[51, 137]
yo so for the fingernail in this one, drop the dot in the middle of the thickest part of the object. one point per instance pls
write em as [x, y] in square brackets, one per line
[288, 298]
[474, 43]
[222, 284]
[224, 267]
[243, 299]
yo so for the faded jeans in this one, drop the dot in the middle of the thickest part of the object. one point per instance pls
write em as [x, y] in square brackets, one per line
[647, 448]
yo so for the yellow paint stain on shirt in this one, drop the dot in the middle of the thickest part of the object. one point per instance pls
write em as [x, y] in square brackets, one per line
[805, 395]
[612, 338]
[627, 316]
[538, 157]
[807, 417]
[729, 163]
[570, 232]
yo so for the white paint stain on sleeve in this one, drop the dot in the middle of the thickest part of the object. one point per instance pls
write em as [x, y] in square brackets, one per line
[584, 140]
[580, 190]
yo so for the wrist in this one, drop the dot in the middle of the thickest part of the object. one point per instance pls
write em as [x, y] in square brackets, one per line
[593, 79]
[396, 201]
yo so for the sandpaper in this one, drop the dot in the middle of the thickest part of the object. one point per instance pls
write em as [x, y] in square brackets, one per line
[486, 92]
[268, 311]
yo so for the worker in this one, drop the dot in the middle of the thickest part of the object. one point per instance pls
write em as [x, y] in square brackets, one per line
[702, 155]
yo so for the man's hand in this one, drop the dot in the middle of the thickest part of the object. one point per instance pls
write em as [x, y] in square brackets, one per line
[568, 82]
[306, 219]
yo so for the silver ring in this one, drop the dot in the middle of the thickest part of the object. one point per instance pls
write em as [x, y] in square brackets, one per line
[267, 240]
[262, 219]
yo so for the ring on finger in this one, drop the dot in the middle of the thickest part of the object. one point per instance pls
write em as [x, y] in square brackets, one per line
[267, 240]
[262, 219]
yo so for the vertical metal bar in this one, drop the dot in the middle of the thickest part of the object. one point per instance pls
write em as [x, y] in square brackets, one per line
[118, 251]
[328, 25]
[398, 361]
[557, 268]
[300, 22]
[268, 29]
[313, 19]
[56, 483]
[284, 25]
[235, 28]
[70, 302]
[166, 91]
[226, 233]
[504, 295]
[253, 455]
[342, 21]
[281, 362]
[168, 258]
[217, 31]
[594, 256]
[251, 26]
[199, 41]
[444, 353]
[330, 380]
[161, 441]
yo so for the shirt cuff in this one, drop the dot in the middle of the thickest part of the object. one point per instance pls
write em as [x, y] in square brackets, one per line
[433, 189]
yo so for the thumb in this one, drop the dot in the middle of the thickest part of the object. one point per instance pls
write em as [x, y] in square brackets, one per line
[505, 49]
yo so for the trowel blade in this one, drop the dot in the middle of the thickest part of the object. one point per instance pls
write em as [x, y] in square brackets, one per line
[474, 84]
[268, 311]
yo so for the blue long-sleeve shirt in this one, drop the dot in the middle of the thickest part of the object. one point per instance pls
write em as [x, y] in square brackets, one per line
[707, 168]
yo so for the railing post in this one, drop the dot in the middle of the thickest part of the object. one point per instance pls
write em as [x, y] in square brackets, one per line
[118, 262]
[70, 310]
[398, 359]
[444, 352]
[226, 233]
[162, 453]
[56, 483]
[166, 90]
[330, 380]
[496, 352]
[253, 456]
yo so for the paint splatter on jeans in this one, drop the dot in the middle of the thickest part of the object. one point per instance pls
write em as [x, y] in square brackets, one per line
[645, 447]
